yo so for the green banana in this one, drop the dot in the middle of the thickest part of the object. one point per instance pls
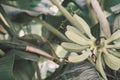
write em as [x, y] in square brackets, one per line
[111, 61]
[113, 37]
[76, 38]
[73, 29]
[78, 58]
[115, 53]
[105, 51]
[115, 46]
[73, 47]
[99, 66]
[84, 25]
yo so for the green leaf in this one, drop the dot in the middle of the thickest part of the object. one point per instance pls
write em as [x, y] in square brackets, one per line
[110, 3]
[16, 69]
[112, 61]
[73, 47]
[25, 55]
[78, 58]
[23, 70]
[6, 67]
[76, 38]
[25, 4]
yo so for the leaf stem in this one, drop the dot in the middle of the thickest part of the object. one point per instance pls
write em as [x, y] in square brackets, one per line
[92, 13]
[7, 23]
[37, 70]
[40, 52]
[53, 30]
[50, 46]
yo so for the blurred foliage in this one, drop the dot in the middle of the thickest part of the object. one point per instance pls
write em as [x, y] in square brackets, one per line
[110, 3]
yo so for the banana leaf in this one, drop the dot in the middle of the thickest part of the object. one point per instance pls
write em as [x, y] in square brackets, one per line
[6, 67]
[17, 65]
[24, 55]
[110, 3]
[23, 70]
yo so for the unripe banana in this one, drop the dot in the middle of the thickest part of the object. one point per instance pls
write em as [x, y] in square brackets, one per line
[76, 38]
[99, 66]
[79, 58]
[111, 61]
[84, 25]
[73, 29]
[115, 53]
[113, 37]
[73, 47]
[104, 51]
[115, 46]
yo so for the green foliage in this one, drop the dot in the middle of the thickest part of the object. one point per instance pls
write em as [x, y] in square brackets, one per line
[14, 68]
[27, 3]
[110, 3]
[6, 67]
[23, 70]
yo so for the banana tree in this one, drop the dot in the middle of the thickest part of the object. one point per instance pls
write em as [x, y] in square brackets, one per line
[91, 39]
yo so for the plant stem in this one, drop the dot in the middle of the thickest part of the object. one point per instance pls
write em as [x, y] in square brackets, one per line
[50, 46]
[7, 23]
[37, 70]
[40, 52]
[102, 18]
[92, 13]
[15, 45]
[53, 30]
[102, 4]
[57, 71]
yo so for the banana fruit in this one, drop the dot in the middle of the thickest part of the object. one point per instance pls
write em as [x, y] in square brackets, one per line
[111, 61]
[114, 53]
[72, 47]
[106, 52]
[113, 37]
[84, 25]
[99, 66]
[76, 38]
[72, 29]
[79, 58]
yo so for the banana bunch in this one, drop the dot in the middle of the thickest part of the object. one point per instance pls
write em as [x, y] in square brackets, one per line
[106, 51]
